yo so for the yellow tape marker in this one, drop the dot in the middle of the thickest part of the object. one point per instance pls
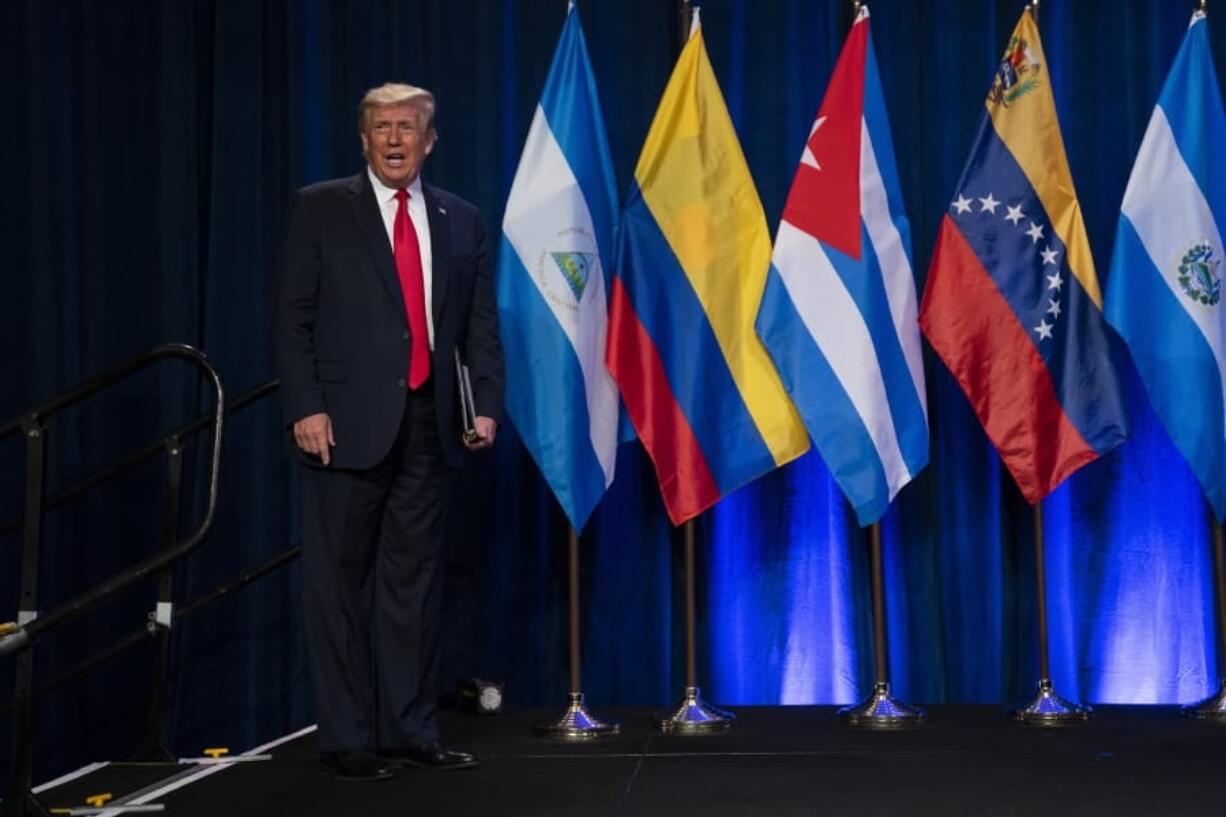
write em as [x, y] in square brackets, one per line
[217, 752]
[98, 800]
[7, 627]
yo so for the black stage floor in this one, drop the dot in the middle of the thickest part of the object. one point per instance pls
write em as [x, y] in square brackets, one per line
[776, 761]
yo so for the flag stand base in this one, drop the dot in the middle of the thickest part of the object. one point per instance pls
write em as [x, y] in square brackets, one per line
[881, 710]
[694, 716]
[1212, 708]
[577, 722]
[1048, 708]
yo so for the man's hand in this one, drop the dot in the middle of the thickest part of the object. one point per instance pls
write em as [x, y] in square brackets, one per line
[314, 436]
[486, 429]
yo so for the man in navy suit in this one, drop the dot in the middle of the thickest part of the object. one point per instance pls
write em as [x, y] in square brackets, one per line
[382, 279]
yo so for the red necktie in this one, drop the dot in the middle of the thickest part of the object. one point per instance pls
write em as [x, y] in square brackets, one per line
[408, 267]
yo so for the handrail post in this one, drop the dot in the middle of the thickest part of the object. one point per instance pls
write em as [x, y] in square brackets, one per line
[160, 618]
[23, 685]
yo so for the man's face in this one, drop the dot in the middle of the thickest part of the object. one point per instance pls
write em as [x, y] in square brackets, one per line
[395, 142]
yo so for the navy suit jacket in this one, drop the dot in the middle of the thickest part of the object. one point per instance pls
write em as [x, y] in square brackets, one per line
[342, 336]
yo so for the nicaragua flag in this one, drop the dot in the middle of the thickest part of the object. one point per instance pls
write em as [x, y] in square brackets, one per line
[839, 311]
[557, 235]
[698, 385]
[1164, 293]
[1012, 303]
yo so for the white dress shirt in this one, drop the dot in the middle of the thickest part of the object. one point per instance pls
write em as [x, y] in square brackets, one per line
[385, 197]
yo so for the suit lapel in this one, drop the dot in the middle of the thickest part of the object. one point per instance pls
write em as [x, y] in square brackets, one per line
[370, 225]
[440, 251]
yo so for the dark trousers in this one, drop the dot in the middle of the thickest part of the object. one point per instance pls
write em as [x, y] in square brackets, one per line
[372, 575]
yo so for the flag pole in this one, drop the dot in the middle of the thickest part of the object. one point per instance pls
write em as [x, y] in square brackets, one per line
[686, 12]
[881, 708]
[1046, 707]
[576, 722]
[693, 716]
[1214, 707]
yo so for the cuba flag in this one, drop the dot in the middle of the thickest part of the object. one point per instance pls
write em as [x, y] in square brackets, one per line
[839, 311]
[1165, 290]
[552, 289]
[1012, 304]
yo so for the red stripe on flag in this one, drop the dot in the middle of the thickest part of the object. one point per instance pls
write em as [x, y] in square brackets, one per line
[976, 333]
[681, 467]
[825, 200]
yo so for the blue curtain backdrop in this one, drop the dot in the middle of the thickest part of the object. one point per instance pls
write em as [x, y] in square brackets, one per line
[149, 151]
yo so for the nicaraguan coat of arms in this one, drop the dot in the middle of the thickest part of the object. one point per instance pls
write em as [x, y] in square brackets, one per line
[1198, 274]
[565, 273]
[576, 267]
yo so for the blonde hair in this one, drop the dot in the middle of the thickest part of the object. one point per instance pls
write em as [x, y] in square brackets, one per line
[397, 93]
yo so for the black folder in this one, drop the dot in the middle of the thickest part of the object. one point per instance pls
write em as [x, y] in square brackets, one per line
[468, 409]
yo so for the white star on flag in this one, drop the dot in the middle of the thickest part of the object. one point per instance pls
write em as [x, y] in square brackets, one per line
[807, 157]
[1049, 256]
[1054, 281]
[1015, 215]
[1054, 309]
[1035, 232]
[989, 204]
[1044, 329]
[963, 204]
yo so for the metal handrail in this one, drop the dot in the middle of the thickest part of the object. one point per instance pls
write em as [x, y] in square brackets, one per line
[27, 632]
[181, 613]
[150, 630]
[130, 461]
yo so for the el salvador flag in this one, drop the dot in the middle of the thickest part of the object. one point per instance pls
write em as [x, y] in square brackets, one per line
[1164, 293]
[839, 310]
[557, 235]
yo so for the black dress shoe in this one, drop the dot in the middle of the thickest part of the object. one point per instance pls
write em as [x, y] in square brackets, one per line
[354, 766]
[431, 756]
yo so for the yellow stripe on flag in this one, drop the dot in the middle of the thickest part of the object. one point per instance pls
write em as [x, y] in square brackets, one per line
[696, 183]
[1030, 129]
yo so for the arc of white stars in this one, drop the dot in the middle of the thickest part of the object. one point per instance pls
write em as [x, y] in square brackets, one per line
[1035, 232]
[962, 204]
[988, 205]
[1049, 256]
[1055, 281]
[1054, 307]
[1044, 329]
[1015, 215]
